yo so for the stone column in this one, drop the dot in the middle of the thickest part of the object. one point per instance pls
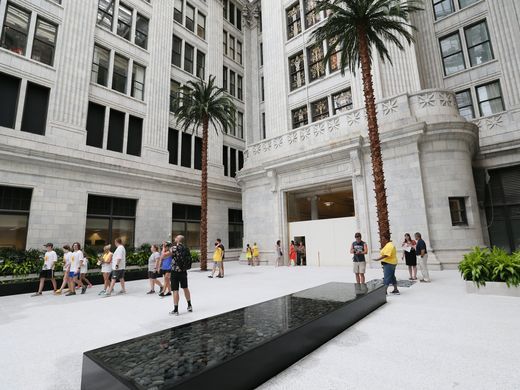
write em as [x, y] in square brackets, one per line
[314, 208]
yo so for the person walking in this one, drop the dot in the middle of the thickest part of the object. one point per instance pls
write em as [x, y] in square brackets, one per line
[47, 272]
[66, 268]
[83, 273]
[118, 268]
[422, 257]
[359, 249]
[409, 256]
[152, 265]
[256, 254]
[180, 276]
[298, 254]
[106, 267]
[249, 255]
[389, 261]
[165, 261]
[279, 253]
[292, 254]
[75, 268]
[303, 253]
[221, 246]
[217, 261]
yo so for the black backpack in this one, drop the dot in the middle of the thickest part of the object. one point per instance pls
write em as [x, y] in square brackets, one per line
[183, 258]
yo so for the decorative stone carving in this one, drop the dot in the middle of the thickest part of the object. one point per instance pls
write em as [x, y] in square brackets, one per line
[305, 134]
[278, 142]
[427, 100]
[319, 129]
[446, 100]
[494, 122]
[250, 12]
[333, 125]
[257, 149]
[353, 118]
[390, 107]
[267, 146]
[292, 138]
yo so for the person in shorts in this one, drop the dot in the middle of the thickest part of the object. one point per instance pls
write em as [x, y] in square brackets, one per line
[217, 261]
[359, 249]
[47, 272]
[75, 268]
[256, 255]
[67, 254]
[388, 259]
[165, 261]
[83, 274]
[152, 274]
[179, 277]
[118, 268]
[106, 267]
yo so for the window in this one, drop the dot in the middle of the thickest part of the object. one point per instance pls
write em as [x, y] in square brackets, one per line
[197, 161]
[262, 89]
[297, 71]
[124, 21]
[175, 88]
[15, 205]
[342, 101]
[452, 56]
[9, 92]
[141, 31]
[320, 109]
[239, 19]
[443, 8]
[240, 125]
[312, 15]
[236, 228]
[44, 42]
[120, 73]
[334, 59]
[177, 10]
[239, 52]
[264, 131]
[95, 124]
[458, 212]
[224, 78]
[201, 26]
[116, 130]
[465, 104]
[232, 47]
[34, 118]
[225, 43]
[261, 54]
[105, 15]
[315, 61]
[466, 3]
[190, 18]
[232, 89]
[225, 9]
[478, 43]
[490, 99]
[176, 51]
[240, 160]
[138, 76]
[299, 117]
[232, 131]
[294, 23]
[225, 160]
[135, 136]
[16, 28]
[201, 64]
[231, 17]
[186, 221]
[232, 162]
[100, 63]
[109, 218]
[188, 58]
[239, 87]
[186, 150]
[173, 146]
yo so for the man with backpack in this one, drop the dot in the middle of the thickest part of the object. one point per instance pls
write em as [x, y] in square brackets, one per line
[180, 265]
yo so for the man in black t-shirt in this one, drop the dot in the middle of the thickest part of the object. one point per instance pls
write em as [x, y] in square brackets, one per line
[359, 249]
[221, 246]
[179, 277]
[422, 257]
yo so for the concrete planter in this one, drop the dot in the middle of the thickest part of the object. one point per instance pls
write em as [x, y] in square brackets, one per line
[493, 288]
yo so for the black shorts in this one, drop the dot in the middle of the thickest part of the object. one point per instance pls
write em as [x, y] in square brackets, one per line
[47, 273]
[152, 275]
[179, 278]
[117, 274]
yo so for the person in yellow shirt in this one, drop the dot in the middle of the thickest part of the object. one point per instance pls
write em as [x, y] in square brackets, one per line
[217, 261]
[389, 261]
[249, 255]
[256, 254]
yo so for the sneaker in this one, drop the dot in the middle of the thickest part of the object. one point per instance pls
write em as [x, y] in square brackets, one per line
[122, 292]
[36, 294]
[57, 292]
[190, 308]
[102, 292]
[161, 294]
[70, 293]
[395, 292]
[106, 295]
[211, 277]
[167, 295]
[174, 313]
[425, 281]
[83, 289]
[151, 292]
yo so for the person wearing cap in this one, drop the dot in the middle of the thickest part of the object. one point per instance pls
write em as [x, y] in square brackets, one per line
[47, 272]
[359, 249]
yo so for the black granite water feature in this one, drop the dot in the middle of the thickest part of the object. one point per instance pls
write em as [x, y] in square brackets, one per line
[240, 349]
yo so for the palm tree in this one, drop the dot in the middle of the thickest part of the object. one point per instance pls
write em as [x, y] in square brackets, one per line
[354, 30]
[199, 104]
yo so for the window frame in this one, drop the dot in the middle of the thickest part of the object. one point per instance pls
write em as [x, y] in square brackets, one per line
[201, 29]
[191, 25]
[501, 97]
[303, 122]
[437, 2]
[112, 6]
[120, 75]
[323, 115]
[460, 52]
[122, 22]
[471, 105]
[291, 33]
[135, 84]
[28, 14]
[340, 109]
[321, 69]
[233, 222]
[52, 45]
[297, 72]
[140, 32]
[488, 41]
[176, 13]
[174, 53]
[461, 210]
[189, 59]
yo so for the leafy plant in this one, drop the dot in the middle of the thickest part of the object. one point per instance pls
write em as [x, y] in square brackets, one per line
[195, 256]
[484, 265]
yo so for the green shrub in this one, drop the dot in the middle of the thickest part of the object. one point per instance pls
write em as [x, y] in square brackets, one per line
[195, 256]
[484, 265]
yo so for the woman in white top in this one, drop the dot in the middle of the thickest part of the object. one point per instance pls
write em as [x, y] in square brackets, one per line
[75, 268]
[83, 273]
[66, 268]
[106, 267]
[152, 266]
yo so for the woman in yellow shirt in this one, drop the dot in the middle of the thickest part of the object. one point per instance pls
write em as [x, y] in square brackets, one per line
[249, 255]
[256, 255]
[389, 261]
[217, 261]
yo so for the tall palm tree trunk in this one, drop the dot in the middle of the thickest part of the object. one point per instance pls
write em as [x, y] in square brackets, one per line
[373, 133]
[204, 199]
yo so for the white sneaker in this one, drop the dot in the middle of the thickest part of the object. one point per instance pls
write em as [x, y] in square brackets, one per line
[121, 292]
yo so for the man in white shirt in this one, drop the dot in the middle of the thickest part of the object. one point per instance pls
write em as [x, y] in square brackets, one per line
[118, 268]
[47, 271]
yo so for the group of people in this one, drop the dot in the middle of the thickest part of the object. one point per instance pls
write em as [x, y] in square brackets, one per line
[253, 255]
[414, 251]
[297, 254]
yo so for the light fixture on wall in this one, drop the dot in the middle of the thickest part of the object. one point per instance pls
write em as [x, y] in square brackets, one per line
[328, 204]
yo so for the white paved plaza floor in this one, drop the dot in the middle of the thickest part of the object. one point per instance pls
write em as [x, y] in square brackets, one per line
[432, 336]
